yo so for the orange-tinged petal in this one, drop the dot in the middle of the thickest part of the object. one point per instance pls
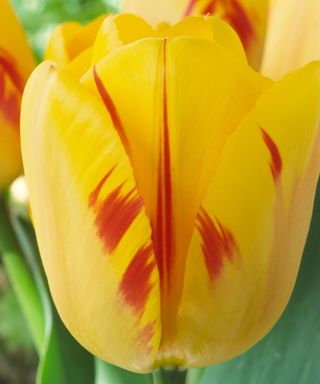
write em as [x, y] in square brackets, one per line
[247, 17]
[92, 230]
[16, 63]
[252, 225]
[68, 40]
[13, 40]
[293, 36]
[10, 98]
[173, 120]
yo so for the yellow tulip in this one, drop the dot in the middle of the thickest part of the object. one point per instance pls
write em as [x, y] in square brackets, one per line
[16, 63]
[172, 188]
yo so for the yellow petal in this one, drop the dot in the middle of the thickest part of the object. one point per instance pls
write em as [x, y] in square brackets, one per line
[209, 28]
[247, 17]
[173, 119]
[252, 225]
[13, 40]
[293, 36]
[119, 30]
[80, 64]
[92, 230]
[68, 40]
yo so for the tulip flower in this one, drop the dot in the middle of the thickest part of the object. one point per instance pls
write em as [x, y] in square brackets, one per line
[247, 17]
[172, 188]
[278, 36]
[16, 63]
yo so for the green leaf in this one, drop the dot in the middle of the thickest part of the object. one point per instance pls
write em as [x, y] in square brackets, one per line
[109, 374]
[290, 353]
[62, 359]
[20, 278]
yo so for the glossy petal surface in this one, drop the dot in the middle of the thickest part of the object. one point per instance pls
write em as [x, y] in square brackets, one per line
[252, 225]
[172, 161]
[93, 233]
[178, 187]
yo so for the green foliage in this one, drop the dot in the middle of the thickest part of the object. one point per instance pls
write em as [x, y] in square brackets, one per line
[109, 374]
[13, 326]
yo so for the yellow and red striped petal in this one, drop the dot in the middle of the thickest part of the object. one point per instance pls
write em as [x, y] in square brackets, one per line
[13, 41]
[252, 225]
[11, 85]
[70, 39]
[173, 120]
[92, 229]
[293, 36]
[247, 17]
[16, 63]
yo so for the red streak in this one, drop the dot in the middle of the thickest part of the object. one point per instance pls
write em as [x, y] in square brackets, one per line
[109, 104]
[189, 8]
[145, 336]
[8, 64]
[135, 285]
[210, 8]
[95, 194]
[162, 228]
[10, 102]
[115, 214]
[276, 161]
[239, 19]
[218, 243]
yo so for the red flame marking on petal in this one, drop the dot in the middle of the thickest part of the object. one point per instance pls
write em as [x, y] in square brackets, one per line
[135, 285]
[218, 243]
[8, 64]
[162, 227]
[240, 21]
[110, 106]
[95, 194]
[115, 214]
[210, 8]
[189, 8]
[276, 161]
[10, 102]
[145, 336]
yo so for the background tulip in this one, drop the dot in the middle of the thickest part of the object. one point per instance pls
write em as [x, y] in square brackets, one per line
[177, 186]
[16, 63]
